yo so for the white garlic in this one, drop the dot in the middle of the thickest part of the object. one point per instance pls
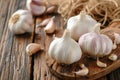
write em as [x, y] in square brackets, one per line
[113, 57]
[21, 22]
[96, 44]
[65, 49]
[37, 7]
[51, 26]
[80, 24]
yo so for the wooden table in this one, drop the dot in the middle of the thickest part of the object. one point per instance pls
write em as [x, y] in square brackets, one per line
[15, 64]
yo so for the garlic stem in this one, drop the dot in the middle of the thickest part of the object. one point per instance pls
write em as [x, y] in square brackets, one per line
[66, 34]
[82, 72]
[113, 57]
[101, 64]
[82, 15]
[97, 28]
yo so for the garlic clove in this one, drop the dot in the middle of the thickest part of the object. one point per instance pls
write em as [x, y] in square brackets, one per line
[21, 22]
[44, 22]
[113, 57]
[37, 7]
[101, 64]
[82, 72]
[51, 26]
[51, 9]
[33, 48]
[114, 46]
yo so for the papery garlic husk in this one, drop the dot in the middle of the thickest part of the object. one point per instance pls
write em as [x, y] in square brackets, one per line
[21, 22]
[65, 49]
[33, 48]
[51, 26]
[37, 7]
[96, 44]
[80, 24]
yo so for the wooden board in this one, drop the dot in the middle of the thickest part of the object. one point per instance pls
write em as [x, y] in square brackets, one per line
[14, 62]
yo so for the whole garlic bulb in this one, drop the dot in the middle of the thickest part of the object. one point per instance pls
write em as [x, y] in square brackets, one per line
[65, 49]
[37, 7]
[21, 22]
[80, 24]
[96, 44]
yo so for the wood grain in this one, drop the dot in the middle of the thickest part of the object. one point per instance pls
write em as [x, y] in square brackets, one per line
[14, 62]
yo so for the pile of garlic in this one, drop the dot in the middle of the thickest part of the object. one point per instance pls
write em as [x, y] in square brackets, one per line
[87, 30]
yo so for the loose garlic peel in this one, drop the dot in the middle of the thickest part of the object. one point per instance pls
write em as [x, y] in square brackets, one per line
[82, 72]
[80, 24]
[33, 48]
[51, 26]
[62, 49]
[21, 22]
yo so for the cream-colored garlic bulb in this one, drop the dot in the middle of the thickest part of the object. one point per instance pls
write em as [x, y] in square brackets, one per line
[37, 7]
[21, 22]
[80, 24]
[96, 44]
[65, 49]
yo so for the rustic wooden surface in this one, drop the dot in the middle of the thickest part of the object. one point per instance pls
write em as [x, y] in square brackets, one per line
[15, 64]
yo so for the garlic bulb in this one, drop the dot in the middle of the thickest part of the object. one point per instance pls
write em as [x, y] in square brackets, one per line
[21, 22]
[80, 24]
[96, 44]
[64, 49]
[37, 7]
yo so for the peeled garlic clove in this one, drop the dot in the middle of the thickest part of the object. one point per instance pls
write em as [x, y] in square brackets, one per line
[21, 22]
[80, 24]
[96, 44]
[113, 57]
[101, 64]
[33, 48]
[62, 49]
[51, 9]
[51, 26]
[37, 7]
[82, 72]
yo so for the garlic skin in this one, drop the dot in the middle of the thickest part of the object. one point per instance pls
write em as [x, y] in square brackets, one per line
[96, 44]
[62, 49]
[80, 24]
[21, 22]
[37, 7]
